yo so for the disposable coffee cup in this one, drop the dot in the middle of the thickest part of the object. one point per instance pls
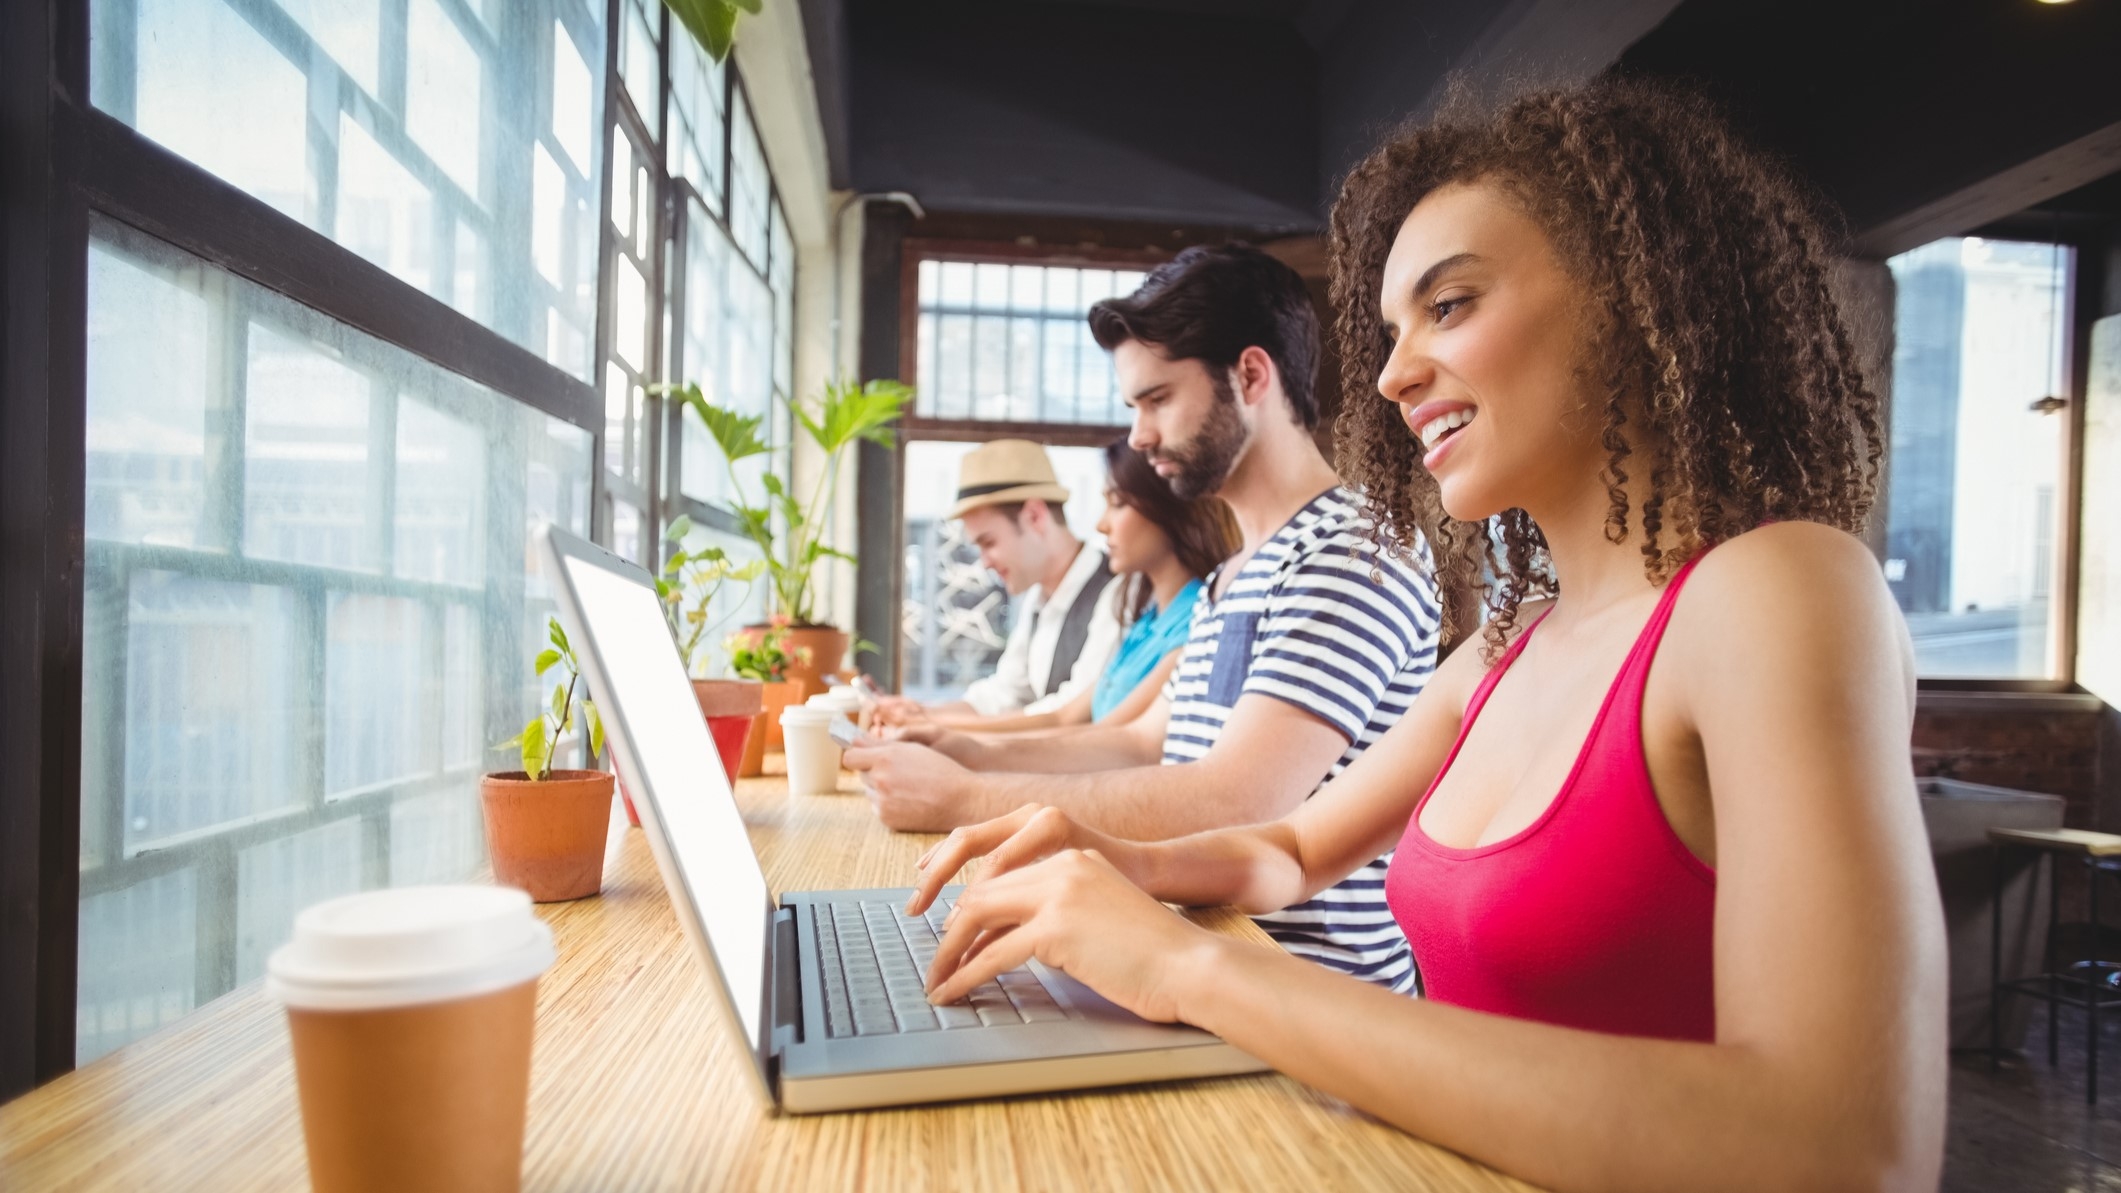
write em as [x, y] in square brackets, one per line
[843, 700]
[813, 757]
[411, 1013]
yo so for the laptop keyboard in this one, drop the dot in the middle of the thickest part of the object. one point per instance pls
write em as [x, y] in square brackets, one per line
[873, 956]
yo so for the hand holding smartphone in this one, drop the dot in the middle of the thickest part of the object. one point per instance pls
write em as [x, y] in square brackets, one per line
[844, 732]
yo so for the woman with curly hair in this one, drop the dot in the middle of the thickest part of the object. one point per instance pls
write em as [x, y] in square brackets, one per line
[1658, 850]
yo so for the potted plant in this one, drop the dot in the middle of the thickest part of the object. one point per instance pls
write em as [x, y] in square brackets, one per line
[767, 659]
[789, 533]
[731, 706]
[545, 829]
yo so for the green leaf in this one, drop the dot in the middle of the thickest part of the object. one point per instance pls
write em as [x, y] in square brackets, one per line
[559, 704]
[848, 412]
[557, 636]
[665, 591]
[595, 722]
[771, 482]
[750, 6]
[533, 746]
[679, 527]
[736, 434]
[712, 22]
[546, 659]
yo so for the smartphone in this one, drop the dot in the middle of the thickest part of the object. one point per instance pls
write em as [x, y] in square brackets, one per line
[866, 686]
[843, 731]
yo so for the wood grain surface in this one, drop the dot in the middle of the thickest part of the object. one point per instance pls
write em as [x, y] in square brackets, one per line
[636, 1084]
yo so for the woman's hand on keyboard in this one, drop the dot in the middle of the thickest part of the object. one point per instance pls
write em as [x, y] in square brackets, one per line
[1074, 912]
[1027, 835]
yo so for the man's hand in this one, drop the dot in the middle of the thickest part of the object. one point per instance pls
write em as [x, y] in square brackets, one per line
[897, 710]
[914, 789]
[915, 726]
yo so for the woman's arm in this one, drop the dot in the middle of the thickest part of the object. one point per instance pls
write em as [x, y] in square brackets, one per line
[1258, 868]
[1789, 663]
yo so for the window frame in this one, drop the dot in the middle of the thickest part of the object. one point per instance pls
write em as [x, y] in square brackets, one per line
[2081, 289]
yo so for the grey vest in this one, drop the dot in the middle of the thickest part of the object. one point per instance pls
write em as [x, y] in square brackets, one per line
[1075, 628]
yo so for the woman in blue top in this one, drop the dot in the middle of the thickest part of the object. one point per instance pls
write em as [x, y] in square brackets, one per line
[1160, 547]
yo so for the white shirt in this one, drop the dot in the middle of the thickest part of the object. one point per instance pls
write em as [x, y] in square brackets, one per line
[1027, 661]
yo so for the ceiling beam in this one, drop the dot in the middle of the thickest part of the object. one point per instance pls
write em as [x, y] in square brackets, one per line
[2036, 180]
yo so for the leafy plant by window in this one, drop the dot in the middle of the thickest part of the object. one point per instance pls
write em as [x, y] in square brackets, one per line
[540, 739]
[701, 575]
[845, 414]
[767, 657]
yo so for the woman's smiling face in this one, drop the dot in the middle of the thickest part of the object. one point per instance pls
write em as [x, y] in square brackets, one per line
[1487, 336]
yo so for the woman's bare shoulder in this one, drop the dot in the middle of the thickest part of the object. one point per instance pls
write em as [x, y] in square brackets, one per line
[1801, 590]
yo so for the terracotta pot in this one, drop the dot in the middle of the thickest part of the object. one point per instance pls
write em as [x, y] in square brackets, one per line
[777, 697]
[548, 837]
[730, 706]
[827, 650]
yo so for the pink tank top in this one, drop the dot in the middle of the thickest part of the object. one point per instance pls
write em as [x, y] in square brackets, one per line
[1596, 916]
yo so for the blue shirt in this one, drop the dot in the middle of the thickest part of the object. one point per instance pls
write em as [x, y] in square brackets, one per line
[1156, 633]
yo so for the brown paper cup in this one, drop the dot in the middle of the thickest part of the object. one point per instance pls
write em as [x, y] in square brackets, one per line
[416, 1098]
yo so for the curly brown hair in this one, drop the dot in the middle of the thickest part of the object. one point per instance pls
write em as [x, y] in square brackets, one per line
[1705, 269]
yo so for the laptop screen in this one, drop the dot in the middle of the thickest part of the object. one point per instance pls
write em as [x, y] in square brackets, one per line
[669, 762]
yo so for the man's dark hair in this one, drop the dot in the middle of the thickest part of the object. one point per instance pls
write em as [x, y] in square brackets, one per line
[1210, 303]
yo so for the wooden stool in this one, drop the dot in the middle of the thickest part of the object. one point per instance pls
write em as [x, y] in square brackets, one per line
[2097, 852]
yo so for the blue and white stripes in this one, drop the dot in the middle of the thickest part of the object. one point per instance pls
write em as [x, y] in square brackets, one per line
[1317, 617]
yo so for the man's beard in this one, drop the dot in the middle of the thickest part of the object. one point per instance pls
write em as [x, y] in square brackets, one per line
[1204, 462]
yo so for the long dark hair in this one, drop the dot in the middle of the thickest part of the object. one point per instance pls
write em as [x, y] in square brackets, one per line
[1720, 342]
[1203, 532]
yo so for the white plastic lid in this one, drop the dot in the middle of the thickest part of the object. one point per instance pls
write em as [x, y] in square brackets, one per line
[409, 945]
[807, 714]
[838, 700]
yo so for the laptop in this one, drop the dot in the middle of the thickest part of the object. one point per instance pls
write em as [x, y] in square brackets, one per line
[825, 986]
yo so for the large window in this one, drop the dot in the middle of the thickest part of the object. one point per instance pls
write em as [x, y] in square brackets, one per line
[309, 604]
[451, 143]
[1973, 531]
[1007, 342]
[1001, 348]
[702, 274]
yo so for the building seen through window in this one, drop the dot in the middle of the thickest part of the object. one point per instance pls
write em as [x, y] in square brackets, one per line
[1976, 454]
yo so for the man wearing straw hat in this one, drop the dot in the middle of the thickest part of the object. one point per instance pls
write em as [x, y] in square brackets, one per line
[1011, 504]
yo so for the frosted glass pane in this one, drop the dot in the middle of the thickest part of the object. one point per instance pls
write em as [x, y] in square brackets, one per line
[209, 696]
[147, 470]
[443, 92]
[439, 528]
[149, 932]
[380, 693]
[573, 111]
[279, 878]
[310, 488]
[548, 211]
[212, 88]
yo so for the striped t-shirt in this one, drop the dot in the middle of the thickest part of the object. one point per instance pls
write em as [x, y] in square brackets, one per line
[1317, 617]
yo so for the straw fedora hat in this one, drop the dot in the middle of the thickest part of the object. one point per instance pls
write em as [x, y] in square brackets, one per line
[1005, 471]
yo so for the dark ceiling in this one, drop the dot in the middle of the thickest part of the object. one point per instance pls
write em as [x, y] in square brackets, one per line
[1244, 113]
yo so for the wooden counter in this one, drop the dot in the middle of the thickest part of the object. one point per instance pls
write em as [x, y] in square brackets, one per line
[635, 1084]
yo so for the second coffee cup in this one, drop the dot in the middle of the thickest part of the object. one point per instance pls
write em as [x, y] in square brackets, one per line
[813, 757]
[411, 1013]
